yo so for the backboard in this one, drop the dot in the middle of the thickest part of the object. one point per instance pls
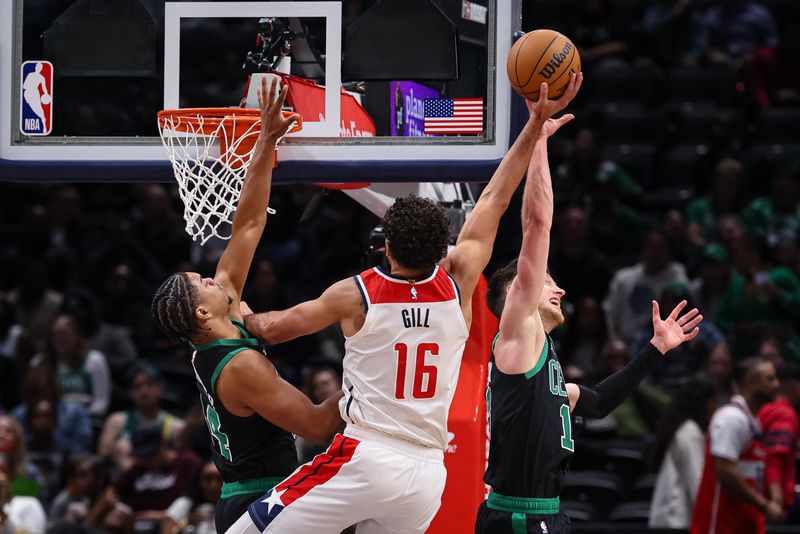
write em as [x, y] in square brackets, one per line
[367, 75]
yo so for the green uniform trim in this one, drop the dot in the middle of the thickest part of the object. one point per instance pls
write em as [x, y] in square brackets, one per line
[519, 523]
[542, 358]
[238, 342]
[252, 485]
[523, 505]
[222, 363]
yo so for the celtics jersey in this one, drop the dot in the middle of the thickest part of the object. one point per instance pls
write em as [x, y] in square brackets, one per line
[243, 447]
[531, 430]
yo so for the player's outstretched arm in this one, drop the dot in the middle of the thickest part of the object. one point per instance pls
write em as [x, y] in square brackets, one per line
[251, 211]
[475, 241]
[250, 382]
[522, 335]
[339, 303]
[608, 394]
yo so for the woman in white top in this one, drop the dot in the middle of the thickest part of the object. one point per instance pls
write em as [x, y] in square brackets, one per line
[679, 450]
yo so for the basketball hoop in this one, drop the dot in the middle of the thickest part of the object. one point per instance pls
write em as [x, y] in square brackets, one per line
[210, 150]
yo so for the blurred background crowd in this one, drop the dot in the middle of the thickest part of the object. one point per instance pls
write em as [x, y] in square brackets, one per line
[679, 179]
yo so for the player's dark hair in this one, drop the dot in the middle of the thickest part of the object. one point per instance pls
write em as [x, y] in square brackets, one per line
[418, 232]
[496, 290]
[173, 307]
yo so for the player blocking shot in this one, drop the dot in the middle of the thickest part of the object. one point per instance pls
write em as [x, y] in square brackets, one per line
[250, 411]
[405, 328]
[530, 406]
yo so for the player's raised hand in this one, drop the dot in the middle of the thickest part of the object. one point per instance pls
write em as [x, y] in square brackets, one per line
[669, 333]
[544, 108]
[273, 124]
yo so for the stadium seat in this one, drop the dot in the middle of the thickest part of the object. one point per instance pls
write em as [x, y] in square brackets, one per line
[777, 125]
[599, 488]
[578, 512]
[631, 512]
[717, 85]
[631, 125]
[626, 461]
[553, 14]
[628, 84]
[637, 160]
[698, 125]
[679, 167]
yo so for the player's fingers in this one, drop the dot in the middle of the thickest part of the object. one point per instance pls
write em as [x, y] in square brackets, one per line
[691, 335]
[693, 323]
[686, 317]
[656, 313]
[260, 94]
[290, 121]
[579, 82]
[681, 305]
[543, 90]
[281, 99]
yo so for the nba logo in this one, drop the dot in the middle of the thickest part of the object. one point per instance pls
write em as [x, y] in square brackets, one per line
[36, 98]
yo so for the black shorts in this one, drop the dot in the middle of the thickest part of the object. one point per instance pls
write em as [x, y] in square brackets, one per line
[500, 522]
[230, 509]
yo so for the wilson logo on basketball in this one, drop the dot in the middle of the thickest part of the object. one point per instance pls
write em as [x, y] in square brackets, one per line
[551, 66]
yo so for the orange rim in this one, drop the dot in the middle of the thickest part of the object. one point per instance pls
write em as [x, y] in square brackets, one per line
[234, 120]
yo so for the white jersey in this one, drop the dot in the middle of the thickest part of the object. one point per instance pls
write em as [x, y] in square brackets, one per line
[401, 368]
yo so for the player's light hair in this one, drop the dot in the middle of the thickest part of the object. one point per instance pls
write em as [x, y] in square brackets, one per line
[173, 307]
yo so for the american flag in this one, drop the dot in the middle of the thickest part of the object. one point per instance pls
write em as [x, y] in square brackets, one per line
[453, 116]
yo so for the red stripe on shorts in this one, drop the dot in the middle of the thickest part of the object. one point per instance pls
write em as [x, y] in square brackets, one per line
[321, 469]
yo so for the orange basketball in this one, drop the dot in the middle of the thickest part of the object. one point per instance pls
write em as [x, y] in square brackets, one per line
[542, 56]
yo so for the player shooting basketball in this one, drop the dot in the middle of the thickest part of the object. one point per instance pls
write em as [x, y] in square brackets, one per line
[530, 405]
[405, 330]
[250, 411]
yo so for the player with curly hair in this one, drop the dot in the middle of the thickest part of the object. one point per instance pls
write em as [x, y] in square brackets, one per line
[405, 328]
[250, 411]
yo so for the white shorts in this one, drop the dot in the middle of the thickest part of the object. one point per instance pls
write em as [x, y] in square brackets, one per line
[383, 484]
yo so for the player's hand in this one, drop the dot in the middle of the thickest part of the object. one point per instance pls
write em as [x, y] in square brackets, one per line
[273, 124]
[551, 126]
[673, 331]
[244, 309]
[773, 512]
[544, 108]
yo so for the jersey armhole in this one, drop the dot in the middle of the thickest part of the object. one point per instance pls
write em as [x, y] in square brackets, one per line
[363, 291]
[458, 292]
[542, 358]
[221, 365]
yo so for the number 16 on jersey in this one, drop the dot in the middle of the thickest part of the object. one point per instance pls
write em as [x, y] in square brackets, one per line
[424, 382]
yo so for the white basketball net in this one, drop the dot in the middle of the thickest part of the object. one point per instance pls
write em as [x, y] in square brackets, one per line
[209, 160]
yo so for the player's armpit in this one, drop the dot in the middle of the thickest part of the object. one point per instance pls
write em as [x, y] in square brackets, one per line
[340, 303]
[520, 344]
[250, 382]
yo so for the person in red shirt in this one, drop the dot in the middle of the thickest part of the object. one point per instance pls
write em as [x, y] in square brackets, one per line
[780, 426]
[730, 499]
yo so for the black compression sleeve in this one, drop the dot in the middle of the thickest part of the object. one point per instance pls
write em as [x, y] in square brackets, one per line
[604, 397]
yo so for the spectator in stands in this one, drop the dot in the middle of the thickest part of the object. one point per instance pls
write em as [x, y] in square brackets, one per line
[726, 196]
[720, 369]
[579, 268]
[685, 360]
[21, 514]
[678, 453]
[708, 289]
[80, 503]
[633, 288]
[25, 478]
[777, 216]
[583, 341]
[599, 35]
[615, 229]
[48, 420]
[145, 387]
[774, 72]
[10, 333]
[729, 500]
[676, 231]
[125, 309]
[194, 436]
[638, 415]
[760, 301]
[321, 384]
[584, 167]
[158, 476]
[263, 291]
[675, 31]
[737, 28]
[194, 512]
[781, 429]
[786, 253]
[35, 303]
[83, 374]
[156, 228]
[772, 351]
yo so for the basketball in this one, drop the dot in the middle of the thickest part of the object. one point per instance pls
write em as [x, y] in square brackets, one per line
[45, 99]
[542, 56]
